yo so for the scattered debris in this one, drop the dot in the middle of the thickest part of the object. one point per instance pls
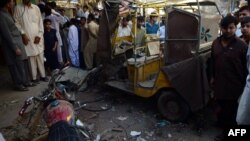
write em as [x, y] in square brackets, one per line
[117, 129]
[120, 126]
[118, 138]
[1, 137]
[135, 133]
[80, 106]
[79, 123]
[159, 132]
[104, 136]
[14, 101]
[122, 118]
[5, 104]
[113, 109]
[108, 137]
[130, 109]
[98, 137]
[94, 115]
[91, 126]
[45, 131]
[150, 134]
[105, 107]
[169, 135]
[181, 139]
[140, 139]
[162, 123]
[126, 118]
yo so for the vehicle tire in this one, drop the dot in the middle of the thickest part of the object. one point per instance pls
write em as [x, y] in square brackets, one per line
[173, 107]
[94, 78]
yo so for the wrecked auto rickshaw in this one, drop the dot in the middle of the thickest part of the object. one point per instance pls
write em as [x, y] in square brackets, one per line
[178, 80]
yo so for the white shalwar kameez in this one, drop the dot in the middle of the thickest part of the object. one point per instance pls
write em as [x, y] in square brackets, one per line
[73, 45]
[29, 21]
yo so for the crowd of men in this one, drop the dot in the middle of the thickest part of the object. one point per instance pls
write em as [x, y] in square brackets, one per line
[48, 39]
[41, 38]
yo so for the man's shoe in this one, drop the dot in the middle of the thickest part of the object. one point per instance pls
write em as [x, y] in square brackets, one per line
[35, 81]
[30, 84]
[21, 88]
[45, 79]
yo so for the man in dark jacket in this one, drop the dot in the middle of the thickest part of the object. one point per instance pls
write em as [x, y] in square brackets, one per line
[13, 47]
[228, 71]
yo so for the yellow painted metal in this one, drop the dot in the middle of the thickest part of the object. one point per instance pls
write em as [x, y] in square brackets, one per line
[18, 1]
[120, 39]
[142, 72]
[156, 4]
[161, 82]
[33, 1]
[116, 41]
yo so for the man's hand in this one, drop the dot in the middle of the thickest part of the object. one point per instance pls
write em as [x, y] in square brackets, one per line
[37, 40]
[54, 49]
[25, 39]
[18, 52]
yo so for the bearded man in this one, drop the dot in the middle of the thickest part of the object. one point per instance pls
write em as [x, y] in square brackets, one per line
[29, 21]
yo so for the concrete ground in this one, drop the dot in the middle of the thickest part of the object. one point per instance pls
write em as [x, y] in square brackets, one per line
[115, 115]
[11, 101]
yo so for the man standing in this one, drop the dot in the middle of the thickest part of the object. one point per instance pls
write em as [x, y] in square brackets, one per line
[244, 11]
[12, 46]
[65, 18]
[152, 26]
[73, 42]
[140, 34]
[162, 30]
[85, 11]
[90, 49]
[244, 103]
[29, 21]
[64, 34]
[124, 29]
[228, 71]
[56, 20]
[84, 39]
[79, 11]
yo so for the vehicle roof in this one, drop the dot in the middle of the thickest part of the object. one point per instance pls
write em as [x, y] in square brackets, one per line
[207, 3]
[164, 3]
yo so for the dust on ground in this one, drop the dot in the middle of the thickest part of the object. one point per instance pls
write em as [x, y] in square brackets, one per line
[116, 116]
[119, 114]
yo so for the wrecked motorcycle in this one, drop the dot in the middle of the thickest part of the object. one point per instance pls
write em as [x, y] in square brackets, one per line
[56, 105]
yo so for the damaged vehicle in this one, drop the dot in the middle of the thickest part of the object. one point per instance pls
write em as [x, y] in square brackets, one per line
[178, 78]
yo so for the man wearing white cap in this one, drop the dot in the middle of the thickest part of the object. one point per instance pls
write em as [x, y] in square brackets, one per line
[152, 26]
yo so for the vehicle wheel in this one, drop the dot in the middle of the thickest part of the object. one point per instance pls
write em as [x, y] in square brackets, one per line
[173, 107]
[94, 78]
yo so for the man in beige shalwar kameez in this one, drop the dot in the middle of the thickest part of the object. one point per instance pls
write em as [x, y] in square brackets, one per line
[91, 46]
[29, 21]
